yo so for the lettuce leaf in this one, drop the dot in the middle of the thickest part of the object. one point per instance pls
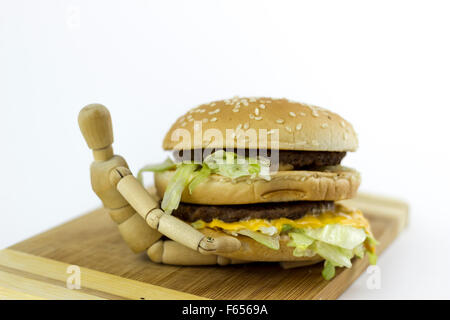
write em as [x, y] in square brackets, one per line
[372, 241]
[346, 237]
[328, 271]
[286, 228]
[176, 186]
[199, 224]
[231, 165]
[168, 164]
[270, 231]
[339, 257]
[337, 244]
[199, 177]
[269, 241]
[372, 258]
[359, 251]
[300, 241]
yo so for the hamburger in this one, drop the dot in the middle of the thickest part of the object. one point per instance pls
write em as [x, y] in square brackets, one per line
[267, 171]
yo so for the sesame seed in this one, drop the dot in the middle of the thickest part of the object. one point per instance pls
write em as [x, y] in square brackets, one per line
[262, 106]
[298, 127]
[215, 111]
[246, 125]
[257, 111]
[288, 129]
[271, 131]
[342, 124]
[184, 124]
[235, 110]
[292, 114]
[314, 113]
[213, 119]
[280, 121]
[252, 116]
[239, 127]
[324, 125]
[258, 118]
[252, 100]
[201, 110]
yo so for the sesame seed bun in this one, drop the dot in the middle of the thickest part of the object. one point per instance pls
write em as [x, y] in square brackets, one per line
[301, 126]
[330, 184]
[251, 250]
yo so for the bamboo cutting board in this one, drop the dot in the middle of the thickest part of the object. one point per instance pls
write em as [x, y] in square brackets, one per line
[37, 268]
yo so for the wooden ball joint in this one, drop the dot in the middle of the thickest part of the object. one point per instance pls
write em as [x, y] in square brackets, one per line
[140, 220]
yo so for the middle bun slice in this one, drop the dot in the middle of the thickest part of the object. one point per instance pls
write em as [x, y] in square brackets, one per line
[329, 184]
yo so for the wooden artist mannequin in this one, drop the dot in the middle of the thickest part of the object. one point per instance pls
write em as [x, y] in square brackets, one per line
[140, 220]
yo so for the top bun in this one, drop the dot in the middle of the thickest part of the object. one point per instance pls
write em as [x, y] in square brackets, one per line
[301, 126]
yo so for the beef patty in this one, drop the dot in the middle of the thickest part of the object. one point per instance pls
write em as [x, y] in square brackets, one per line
[310, 159]
[291, 210]
[298, 160]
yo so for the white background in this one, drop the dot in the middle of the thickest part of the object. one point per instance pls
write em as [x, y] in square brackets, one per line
[383, 65]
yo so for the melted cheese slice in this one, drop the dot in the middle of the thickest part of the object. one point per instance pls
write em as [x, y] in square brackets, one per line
[341, 215]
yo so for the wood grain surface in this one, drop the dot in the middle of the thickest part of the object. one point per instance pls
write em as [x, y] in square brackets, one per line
[36, 268]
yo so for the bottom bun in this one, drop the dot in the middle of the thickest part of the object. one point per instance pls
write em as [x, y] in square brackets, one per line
[253, 251]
